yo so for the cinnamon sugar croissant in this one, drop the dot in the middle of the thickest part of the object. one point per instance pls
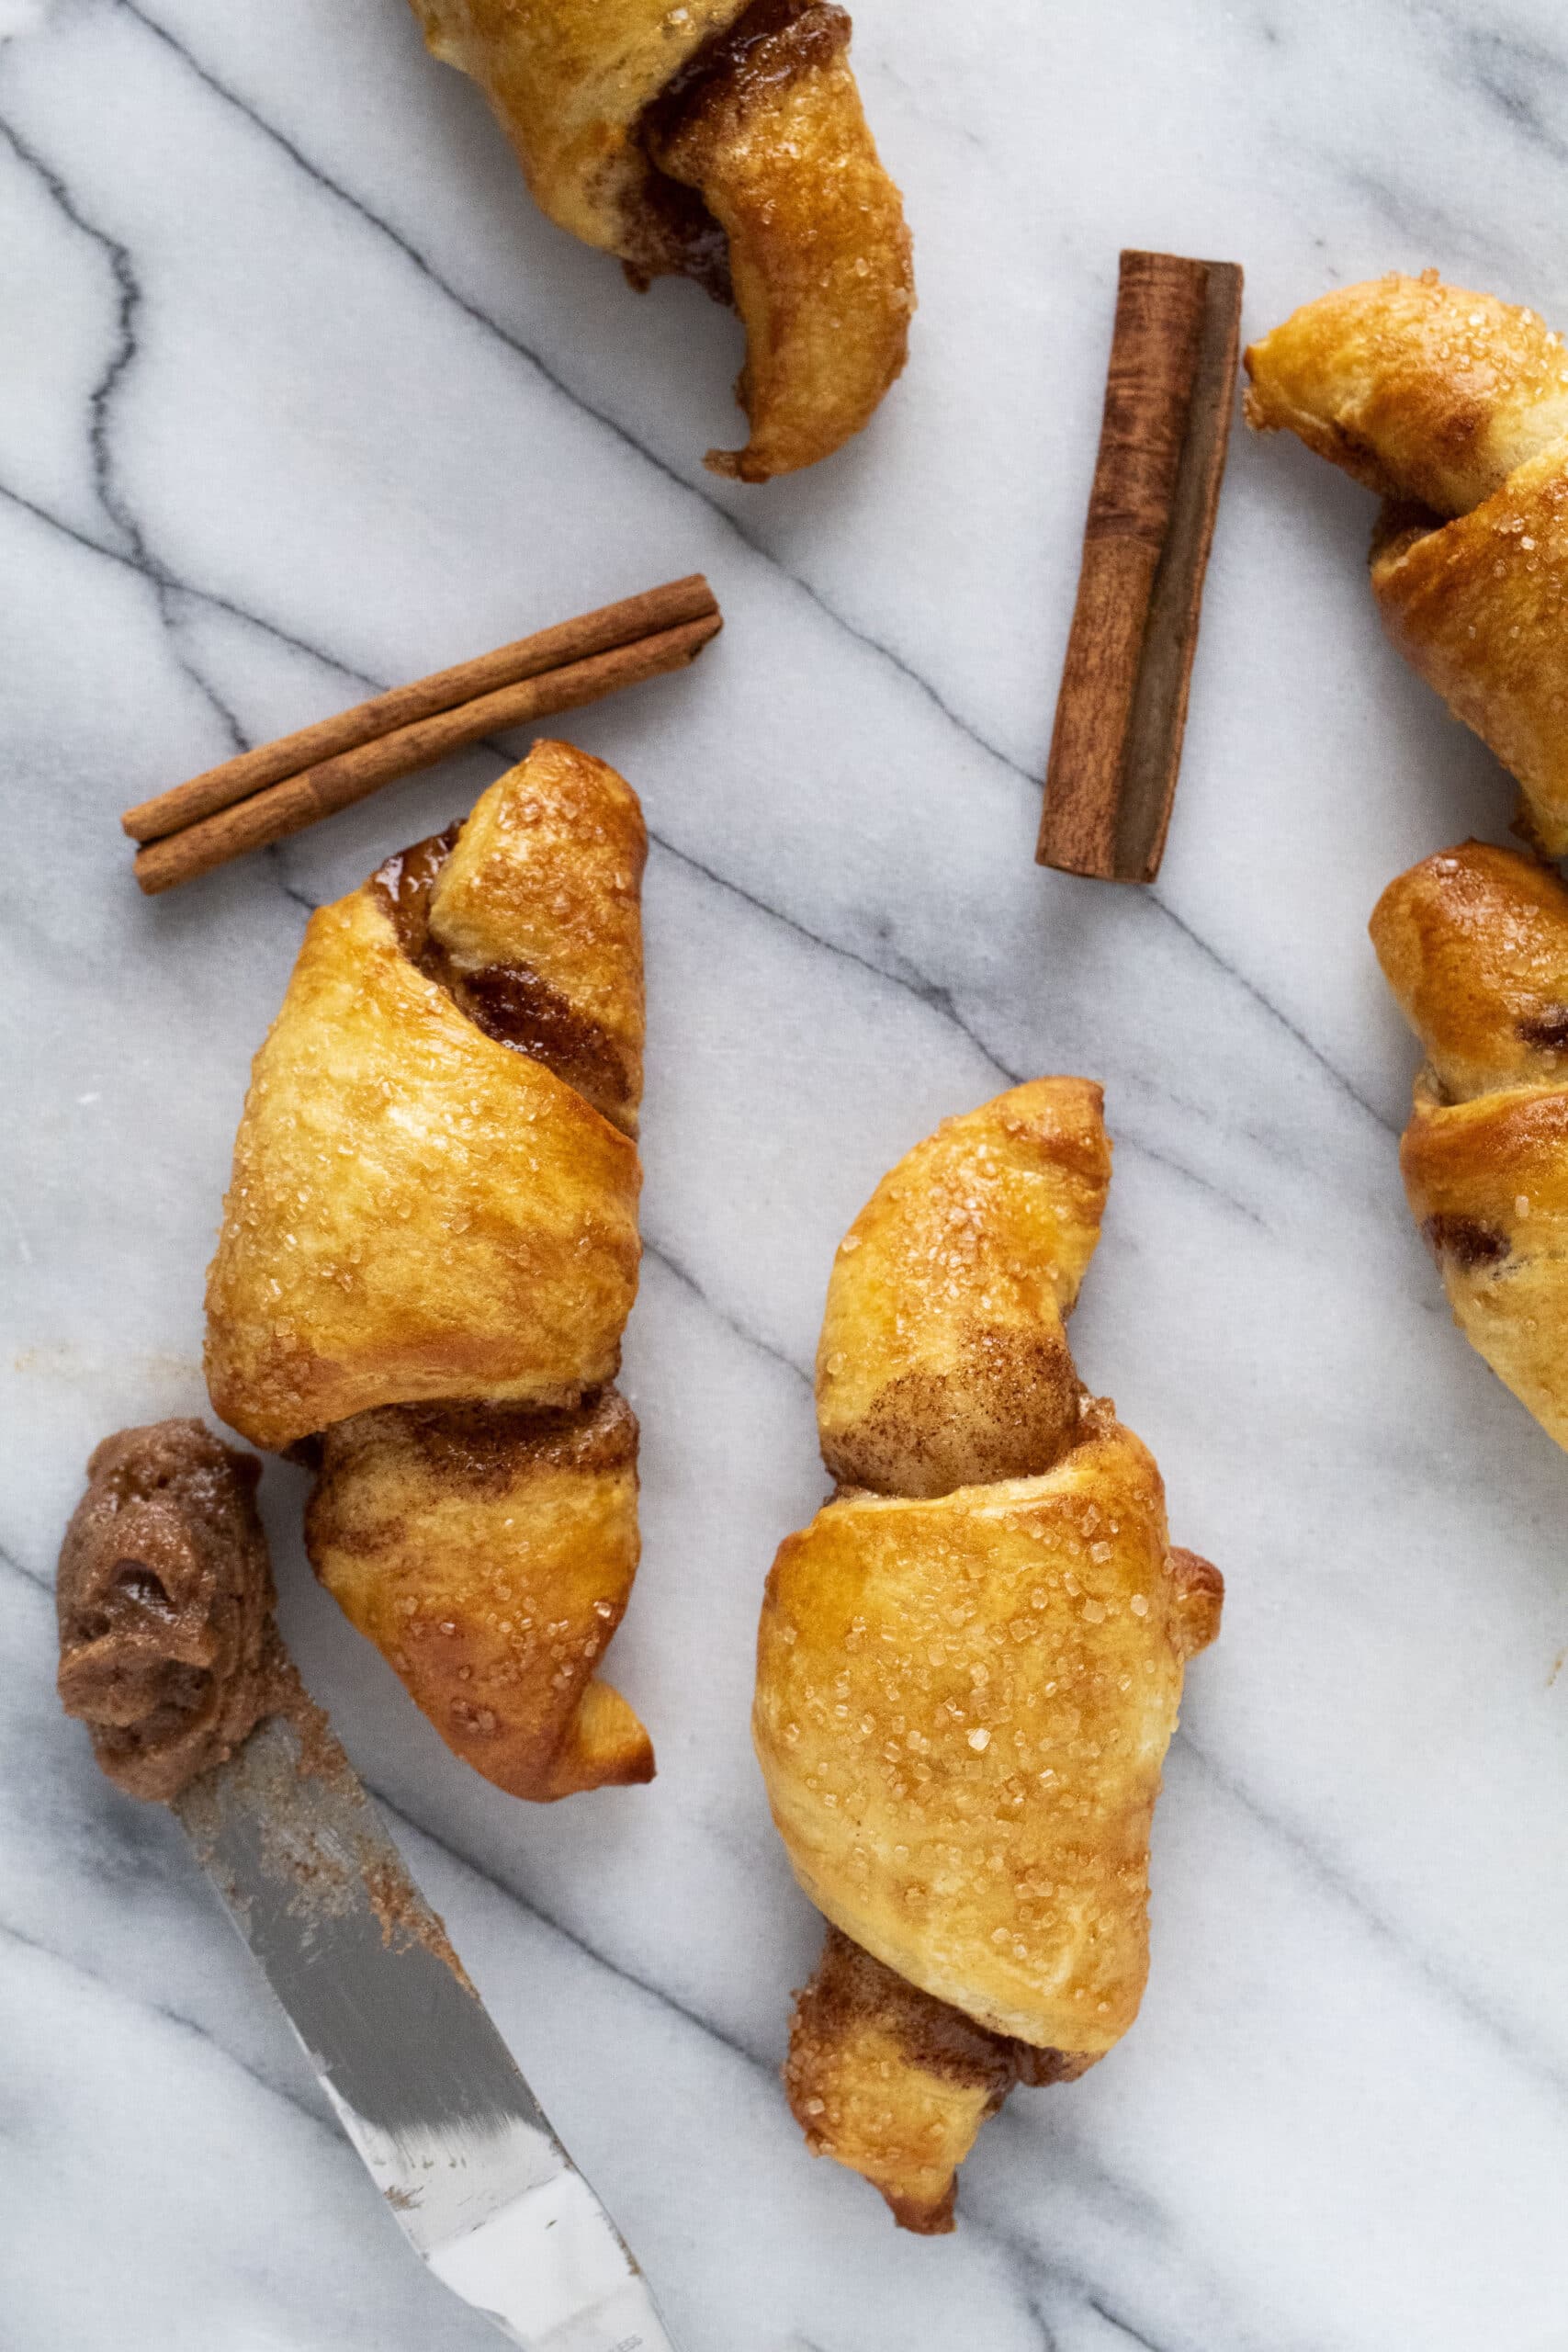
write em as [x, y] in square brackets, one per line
[429, 1252]
[1455, 406]
[969, 1664]
[723, 140]
[1474, 944]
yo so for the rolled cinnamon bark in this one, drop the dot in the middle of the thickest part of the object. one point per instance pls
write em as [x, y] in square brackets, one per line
[1122, 710]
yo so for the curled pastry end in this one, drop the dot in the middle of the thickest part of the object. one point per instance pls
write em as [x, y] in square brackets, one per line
[489, 1552]
[1200, 1595]
[606, 1746]
[773, 136]
[923, 1387]
[895, 2084]
[167, 1648]
[890, 2082]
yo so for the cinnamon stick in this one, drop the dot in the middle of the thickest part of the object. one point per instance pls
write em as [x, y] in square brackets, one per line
[1122, 710]
[550, 649]
[319, 791]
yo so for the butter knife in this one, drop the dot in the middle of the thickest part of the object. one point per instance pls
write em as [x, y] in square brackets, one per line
[420, 2080]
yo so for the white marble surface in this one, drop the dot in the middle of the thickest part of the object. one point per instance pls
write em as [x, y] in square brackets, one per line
[298, 391]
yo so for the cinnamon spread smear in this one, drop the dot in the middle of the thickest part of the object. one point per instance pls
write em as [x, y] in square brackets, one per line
[167, 1648]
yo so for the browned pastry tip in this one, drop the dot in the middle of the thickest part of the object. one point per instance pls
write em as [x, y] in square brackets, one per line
[529, 916]
[1198, 1601]
[1455, 406]
[1474, 944]
[167, 1648]
[489, 1552]
[1422, 391]
[896, 2085]
[923, 1384]
[773, 136]
[724, 142]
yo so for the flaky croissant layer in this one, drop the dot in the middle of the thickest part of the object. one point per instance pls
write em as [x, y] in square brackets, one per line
[944, 1360]
[424, 1203]
[1455, 406]
[429, 1252]
[489, 1554]
[963, 1709]
[1474, 944]
[724, 140]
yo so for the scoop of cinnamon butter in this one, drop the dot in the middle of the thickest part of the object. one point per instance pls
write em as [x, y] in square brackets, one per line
[167, 1648]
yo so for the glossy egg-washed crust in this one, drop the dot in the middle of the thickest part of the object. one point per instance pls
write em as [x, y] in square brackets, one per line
[428, 1254]
[1475, 945]
[1454, 407]
[970, 1663]
[724, 140]
[489, 1554]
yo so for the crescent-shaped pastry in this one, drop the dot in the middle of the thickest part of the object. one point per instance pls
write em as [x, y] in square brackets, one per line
[722, 141]
[429, 1252]
[1474, 944]
[970, 1663]
[1455, 406]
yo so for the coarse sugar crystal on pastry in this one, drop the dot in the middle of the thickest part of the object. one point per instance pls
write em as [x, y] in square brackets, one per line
[969, 1664]
[428, 1254]
[724, 142]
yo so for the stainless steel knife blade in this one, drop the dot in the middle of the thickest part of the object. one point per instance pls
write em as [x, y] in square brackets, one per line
[422, 2083]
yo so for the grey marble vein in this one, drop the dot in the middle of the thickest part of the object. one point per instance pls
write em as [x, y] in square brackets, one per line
[1336, 1882]
[173, 2018]
[120, 359]
[557, 382]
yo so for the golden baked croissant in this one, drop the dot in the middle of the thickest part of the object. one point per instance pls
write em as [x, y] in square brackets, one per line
[1474, 944]
[1455, 407]
[428, 1255]
[969, 1664]
[723, 140]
